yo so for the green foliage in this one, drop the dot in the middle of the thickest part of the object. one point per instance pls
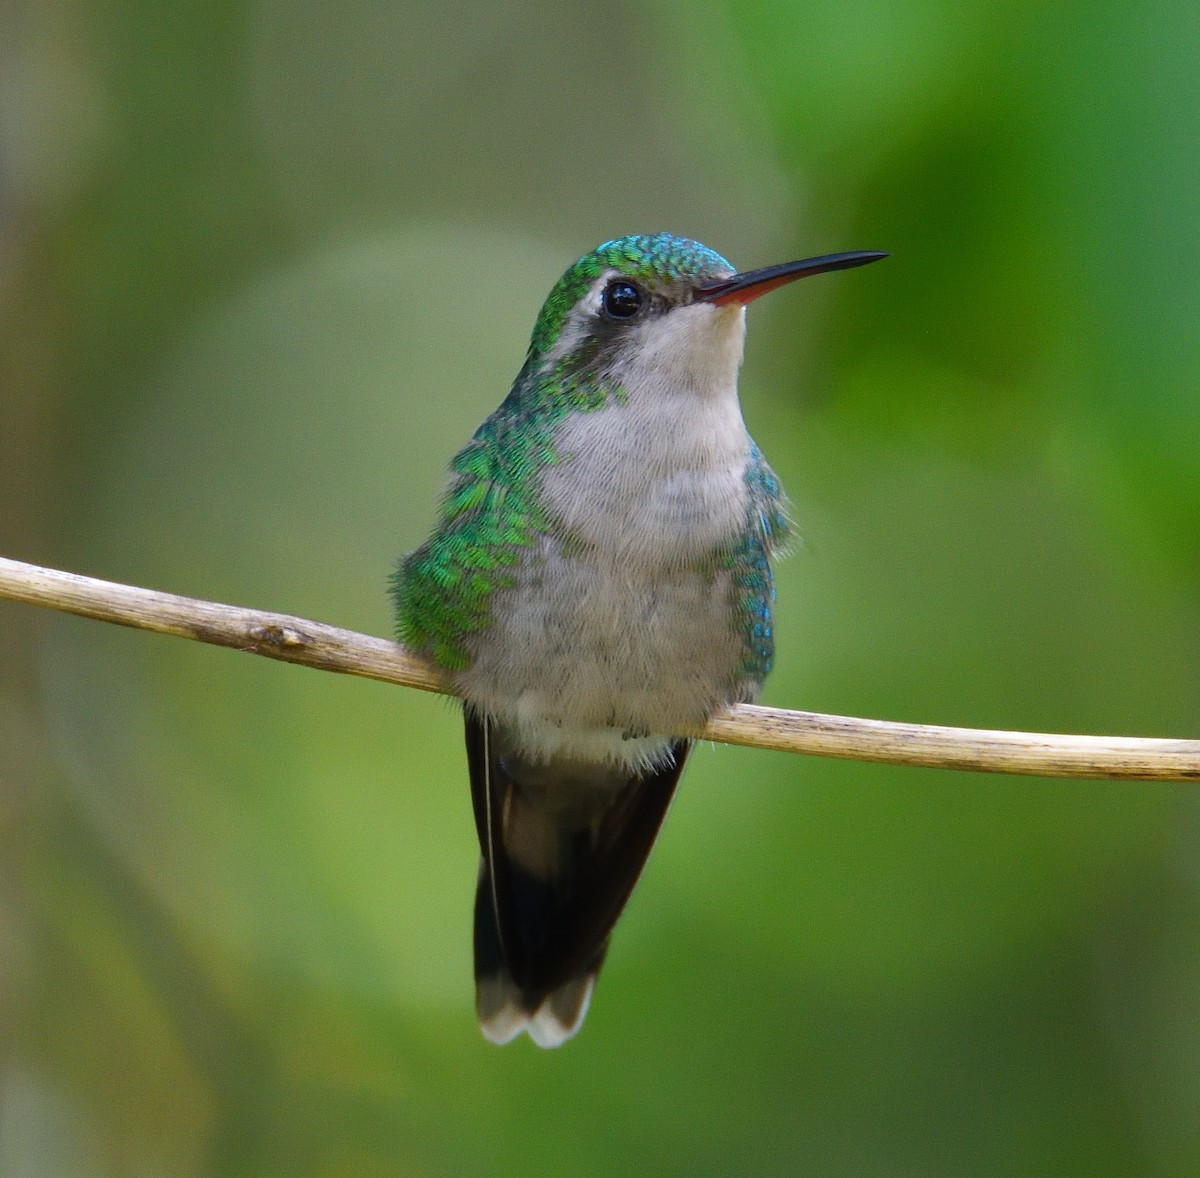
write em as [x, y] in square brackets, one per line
[266, 266]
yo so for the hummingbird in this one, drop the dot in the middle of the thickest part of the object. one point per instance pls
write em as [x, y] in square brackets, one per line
[599, 581]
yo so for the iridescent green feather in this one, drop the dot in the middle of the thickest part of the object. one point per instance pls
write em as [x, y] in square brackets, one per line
[490, 516]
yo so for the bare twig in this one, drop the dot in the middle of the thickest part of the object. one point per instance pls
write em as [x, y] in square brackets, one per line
[329, 648]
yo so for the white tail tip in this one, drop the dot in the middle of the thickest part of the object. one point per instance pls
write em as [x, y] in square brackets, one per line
[503, 1016]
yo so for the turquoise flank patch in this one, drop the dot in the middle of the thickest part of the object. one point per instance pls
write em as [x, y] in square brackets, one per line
[754, 583]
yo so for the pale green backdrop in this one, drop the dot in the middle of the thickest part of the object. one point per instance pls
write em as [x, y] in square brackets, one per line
[263, 267]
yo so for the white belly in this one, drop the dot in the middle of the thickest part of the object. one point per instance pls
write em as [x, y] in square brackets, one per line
[613, 634]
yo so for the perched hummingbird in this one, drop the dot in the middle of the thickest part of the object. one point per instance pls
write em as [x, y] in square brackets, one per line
[600, 578]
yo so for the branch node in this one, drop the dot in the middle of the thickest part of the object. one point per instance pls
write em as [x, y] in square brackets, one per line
[276, 637]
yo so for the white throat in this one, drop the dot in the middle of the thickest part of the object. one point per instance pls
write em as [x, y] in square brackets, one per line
[690, 351]
[657, 478]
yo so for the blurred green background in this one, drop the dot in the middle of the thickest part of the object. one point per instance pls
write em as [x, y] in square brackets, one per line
[265, 265]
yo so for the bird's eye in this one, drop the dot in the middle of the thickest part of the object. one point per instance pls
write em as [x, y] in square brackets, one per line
[621, 299]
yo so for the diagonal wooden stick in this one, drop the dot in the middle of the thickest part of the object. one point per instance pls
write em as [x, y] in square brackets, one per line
[329, 648]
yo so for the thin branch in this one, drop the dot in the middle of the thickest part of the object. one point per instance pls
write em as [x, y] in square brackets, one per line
[328, 648]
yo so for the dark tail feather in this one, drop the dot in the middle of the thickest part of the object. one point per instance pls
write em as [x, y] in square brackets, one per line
[563, 845]
[503, 1007]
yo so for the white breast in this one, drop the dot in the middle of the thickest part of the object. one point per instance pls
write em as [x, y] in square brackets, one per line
[659, 478]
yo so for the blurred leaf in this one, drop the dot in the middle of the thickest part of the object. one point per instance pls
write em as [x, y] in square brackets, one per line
[264, 267]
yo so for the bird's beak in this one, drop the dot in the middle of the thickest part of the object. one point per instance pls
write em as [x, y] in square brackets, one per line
[746, 287]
